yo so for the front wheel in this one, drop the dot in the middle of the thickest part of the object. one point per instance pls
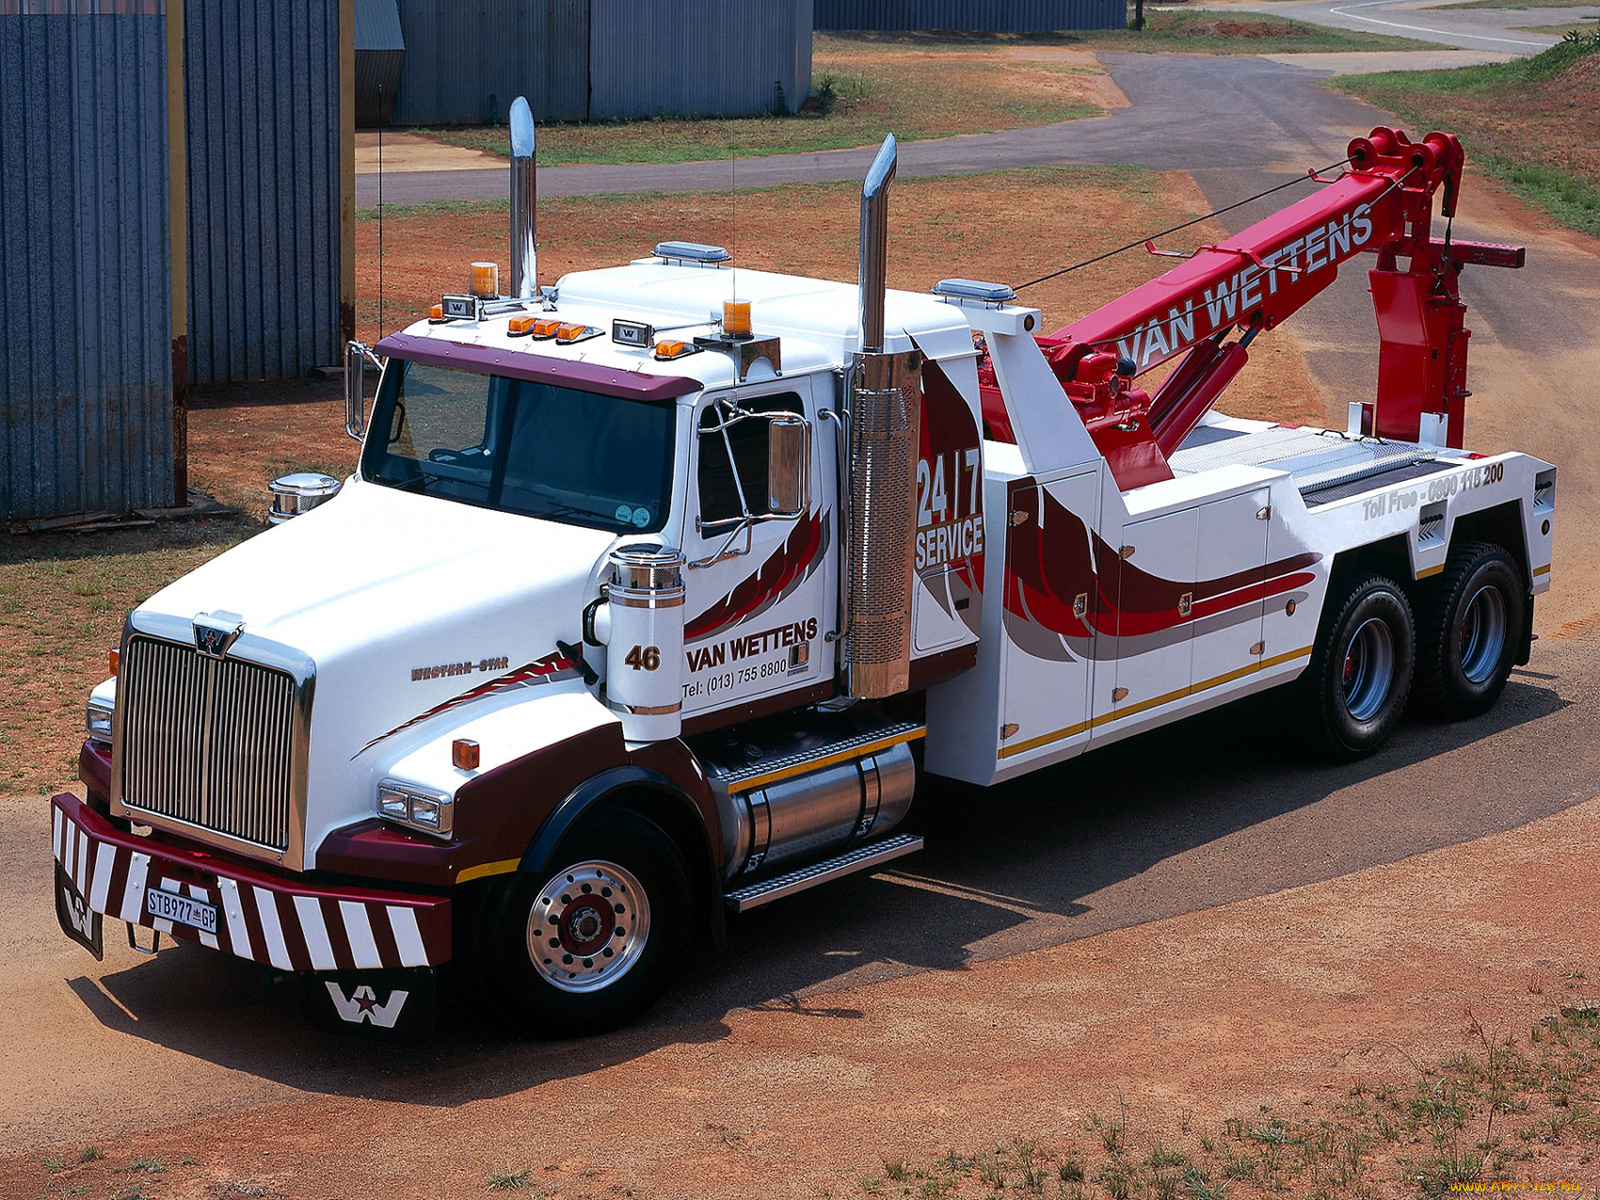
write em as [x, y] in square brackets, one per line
[1361, 669]
[592, 944]
[1470, 629]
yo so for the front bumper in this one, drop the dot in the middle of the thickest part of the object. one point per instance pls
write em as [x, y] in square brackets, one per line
[288, 924]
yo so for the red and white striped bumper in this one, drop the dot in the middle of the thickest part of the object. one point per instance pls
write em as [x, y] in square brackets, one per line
[294, 927]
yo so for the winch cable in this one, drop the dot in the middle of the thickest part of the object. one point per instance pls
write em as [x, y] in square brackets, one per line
[1089, 262]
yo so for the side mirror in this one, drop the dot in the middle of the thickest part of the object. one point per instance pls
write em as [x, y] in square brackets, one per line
[355, 409]
[788, 465]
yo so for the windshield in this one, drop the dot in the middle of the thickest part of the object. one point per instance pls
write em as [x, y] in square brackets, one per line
[531, 448]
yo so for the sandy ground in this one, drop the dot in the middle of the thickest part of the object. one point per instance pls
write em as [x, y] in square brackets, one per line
[1285, 1000]
[414, 152]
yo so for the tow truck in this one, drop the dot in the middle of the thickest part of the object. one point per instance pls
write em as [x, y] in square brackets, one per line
[657, 591]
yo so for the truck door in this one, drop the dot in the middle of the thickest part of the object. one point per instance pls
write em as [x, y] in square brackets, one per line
[1050, 612]
[761, 591]
[1229, 603]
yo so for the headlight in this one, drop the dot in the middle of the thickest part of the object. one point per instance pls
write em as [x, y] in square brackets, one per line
[409, 805]
[102, 705]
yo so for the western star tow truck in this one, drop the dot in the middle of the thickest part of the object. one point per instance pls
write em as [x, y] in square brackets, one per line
[656, 590]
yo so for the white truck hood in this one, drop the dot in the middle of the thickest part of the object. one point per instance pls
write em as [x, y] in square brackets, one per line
[403, 603]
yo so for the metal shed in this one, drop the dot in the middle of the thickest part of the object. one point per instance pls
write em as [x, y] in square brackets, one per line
[380, 54]
[86, 362]
[992, 16]
[742, 59]
[466, 63]
[600, 60]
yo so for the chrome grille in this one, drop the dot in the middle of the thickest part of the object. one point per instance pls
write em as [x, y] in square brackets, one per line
[208, 741]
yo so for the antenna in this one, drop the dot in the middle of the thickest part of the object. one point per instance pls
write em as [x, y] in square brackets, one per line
[734, 170]
[380, 212]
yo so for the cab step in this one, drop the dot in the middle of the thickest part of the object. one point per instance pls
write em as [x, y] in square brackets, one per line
[863, 858]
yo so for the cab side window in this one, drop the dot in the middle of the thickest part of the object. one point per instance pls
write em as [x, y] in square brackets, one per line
[733, 457]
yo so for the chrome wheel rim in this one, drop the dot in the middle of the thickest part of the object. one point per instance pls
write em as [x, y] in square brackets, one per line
[1368, 669]
[588, 926]
[1483, 634]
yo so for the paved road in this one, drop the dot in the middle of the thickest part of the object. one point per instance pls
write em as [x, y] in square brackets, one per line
[1123, 837]
[1195, 111]
[1425, 21]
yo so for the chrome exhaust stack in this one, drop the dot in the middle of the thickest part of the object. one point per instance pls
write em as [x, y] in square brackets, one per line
[524, 203]
[884, 409]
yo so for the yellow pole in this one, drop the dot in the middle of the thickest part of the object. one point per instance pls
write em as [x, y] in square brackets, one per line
[178, 232]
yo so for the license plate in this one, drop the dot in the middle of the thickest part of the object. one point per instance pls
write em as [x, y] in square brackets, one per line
[181, 910]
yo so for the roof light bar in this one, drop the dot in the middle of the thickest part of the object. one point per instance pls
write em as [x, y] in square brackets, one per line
[692, 252]
[974, 289]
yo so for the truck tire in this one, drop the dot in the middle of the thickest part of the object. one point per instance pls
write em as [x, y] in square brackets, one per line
[1470, 627]
[1361, 669]
[590, 945]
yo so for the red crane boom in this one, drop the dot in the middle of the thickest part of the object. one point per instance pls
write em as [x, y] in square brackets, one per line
[1382, 204]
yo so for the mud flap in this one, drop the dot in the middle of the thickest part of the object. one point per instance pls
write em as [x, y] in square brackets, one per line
[78, 921]
[393, 1005]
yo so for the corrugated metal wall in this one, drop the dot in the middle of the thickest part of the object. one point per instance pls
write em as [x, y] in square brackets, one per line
[86, 360]
[466, 63]
[708, 58]
[262, 106]
[1013, 16]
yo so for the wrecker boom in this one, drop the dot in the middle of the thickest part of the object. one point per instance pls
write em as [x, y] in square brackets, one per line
[1382, 204]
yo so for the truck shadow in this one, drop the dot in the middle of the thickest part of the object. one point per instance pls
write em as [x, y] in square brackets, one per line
[1218, 808]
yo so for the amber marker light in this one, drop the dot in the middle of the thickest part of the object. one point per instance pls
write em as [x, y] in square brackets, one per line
[669, 350]
[521, 326]
[436, 313]
[571, 333]
[116, 659]
[485, 280]
[464, 754]
[546, 328]
[736, 318]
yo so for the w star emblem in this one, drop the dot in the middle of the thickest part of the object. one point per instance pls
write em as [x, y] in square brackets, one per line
[362, 1005]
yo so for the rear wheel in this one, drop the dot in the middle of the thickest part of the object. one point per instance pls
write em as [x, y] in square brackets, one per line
[1469, 632]
[1361, 669]
[592, 944]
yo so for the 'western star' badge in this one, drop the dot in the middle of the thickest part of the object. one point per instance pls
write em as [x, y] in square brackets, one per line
[215, 632]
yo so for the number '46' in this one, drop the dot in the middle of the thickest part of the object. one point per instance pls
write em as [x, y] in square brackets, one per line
[643, 658]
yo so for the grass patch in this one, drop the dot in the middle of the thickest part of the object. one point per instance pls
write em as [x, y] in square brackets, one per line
[1531, 122]
[1512, 5]
[62, 603]
[926, 85]
[858, 92]
[1444, 1127]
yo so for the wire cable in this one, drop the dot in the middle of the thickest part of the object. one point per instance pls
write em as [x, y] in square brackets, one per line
[1089, 262]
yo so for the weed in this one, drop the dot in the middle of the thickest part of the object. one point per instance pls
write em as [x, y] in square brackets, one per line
[91, 1154]
[1071, 1170]
[1160, 1156]
[1116, 1177]
[1200, 1185]
[896, 1170]
[872, 1185]
[150, 1166]
[508, 1180]
[54, 1163]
